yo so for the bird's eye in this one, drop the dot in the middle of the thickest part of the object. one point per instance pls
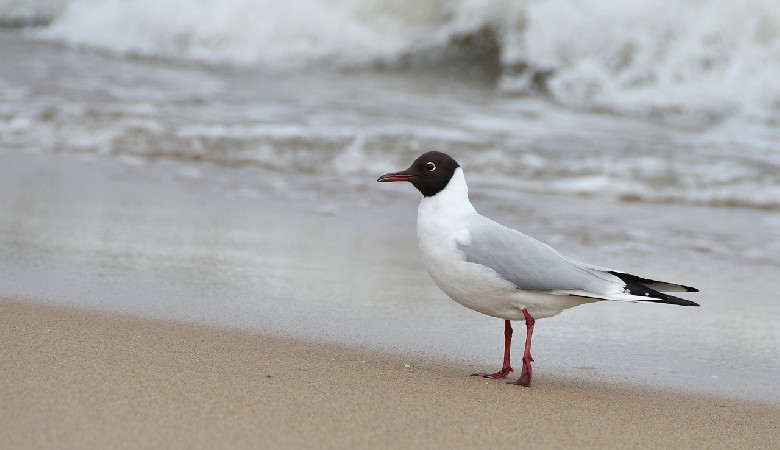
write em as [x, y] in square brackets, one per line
[430, 167]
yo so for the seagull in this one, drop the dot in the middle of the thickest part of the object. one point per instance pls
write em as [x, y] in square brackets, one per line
[501, 272]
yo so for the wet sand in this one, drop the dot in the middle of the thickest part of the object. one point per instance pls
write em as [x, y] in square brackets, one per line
[72, 378]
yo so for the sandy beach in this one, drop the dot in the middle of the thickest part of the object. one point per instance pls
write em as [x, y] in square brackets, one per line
[75, 379]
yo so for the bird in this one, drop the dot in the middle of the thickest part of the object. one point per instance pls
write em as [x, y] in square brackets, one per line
[501, 272]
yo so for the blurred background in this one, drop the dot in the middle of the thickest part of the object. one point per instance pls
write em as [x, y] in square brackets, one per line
[215, 161]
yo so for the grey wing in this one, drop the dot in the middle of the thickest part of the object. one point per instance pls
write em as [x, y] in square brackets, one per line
[530, 264]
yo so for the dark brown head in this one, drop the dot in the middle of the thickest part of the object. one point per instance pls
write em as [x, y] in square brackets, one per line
[429, 173]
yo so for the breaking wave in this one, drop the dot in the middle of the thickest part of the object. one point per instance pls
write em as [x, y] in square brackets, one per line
[701, 60]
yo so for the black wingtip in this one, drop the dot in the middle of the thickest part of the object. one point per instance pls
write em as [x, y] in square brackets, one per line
[688, 288]
[672, 300]
[638, 286]
[661, 286]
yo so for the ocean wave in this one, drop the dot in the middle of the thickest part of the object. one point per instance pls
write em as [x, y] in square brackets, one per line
[669, 56]
[699, 60]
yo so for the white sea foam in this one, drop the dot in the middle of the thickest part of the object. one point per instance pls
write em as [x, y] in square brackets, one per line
[695, 59]
[713, 56]
[267, 32]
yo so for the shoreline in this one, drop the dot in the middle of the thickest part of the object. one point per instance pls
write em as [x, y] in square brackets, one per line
[76, 378]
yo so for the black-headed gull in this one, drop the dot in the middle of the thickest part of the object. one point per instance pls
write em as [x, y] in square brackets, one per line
[502, 272]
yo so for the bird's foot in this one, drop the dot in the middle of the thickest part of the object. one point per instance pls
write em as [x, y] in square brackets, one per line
[525, 374]
[501, 374]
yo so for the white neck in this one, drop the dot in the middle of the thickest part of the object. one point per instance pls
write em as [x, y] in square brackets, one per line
[451, 204]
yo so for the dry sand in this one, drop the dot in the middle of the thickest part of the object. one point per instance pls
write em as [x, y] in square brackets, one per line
[79, 379]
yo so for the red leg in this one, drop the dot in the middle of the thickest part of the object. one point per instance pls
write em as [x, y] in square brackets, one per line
[507, 367]
[525, 374]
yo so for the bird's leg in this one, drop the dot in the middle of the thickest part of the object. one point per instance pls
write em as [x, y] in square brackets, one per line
[507, 367]
[525, 374]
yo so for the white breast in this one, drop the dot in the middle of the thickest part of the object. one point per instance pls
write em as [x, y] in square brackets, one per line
[441, 223]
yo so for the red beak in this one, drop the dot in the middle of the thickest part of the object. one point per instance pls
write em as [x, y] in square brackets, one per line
[396, 176]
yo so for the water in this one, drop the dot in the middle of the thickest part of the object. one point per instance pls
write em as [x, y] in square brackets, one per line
[705, 59]
[188, 163]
